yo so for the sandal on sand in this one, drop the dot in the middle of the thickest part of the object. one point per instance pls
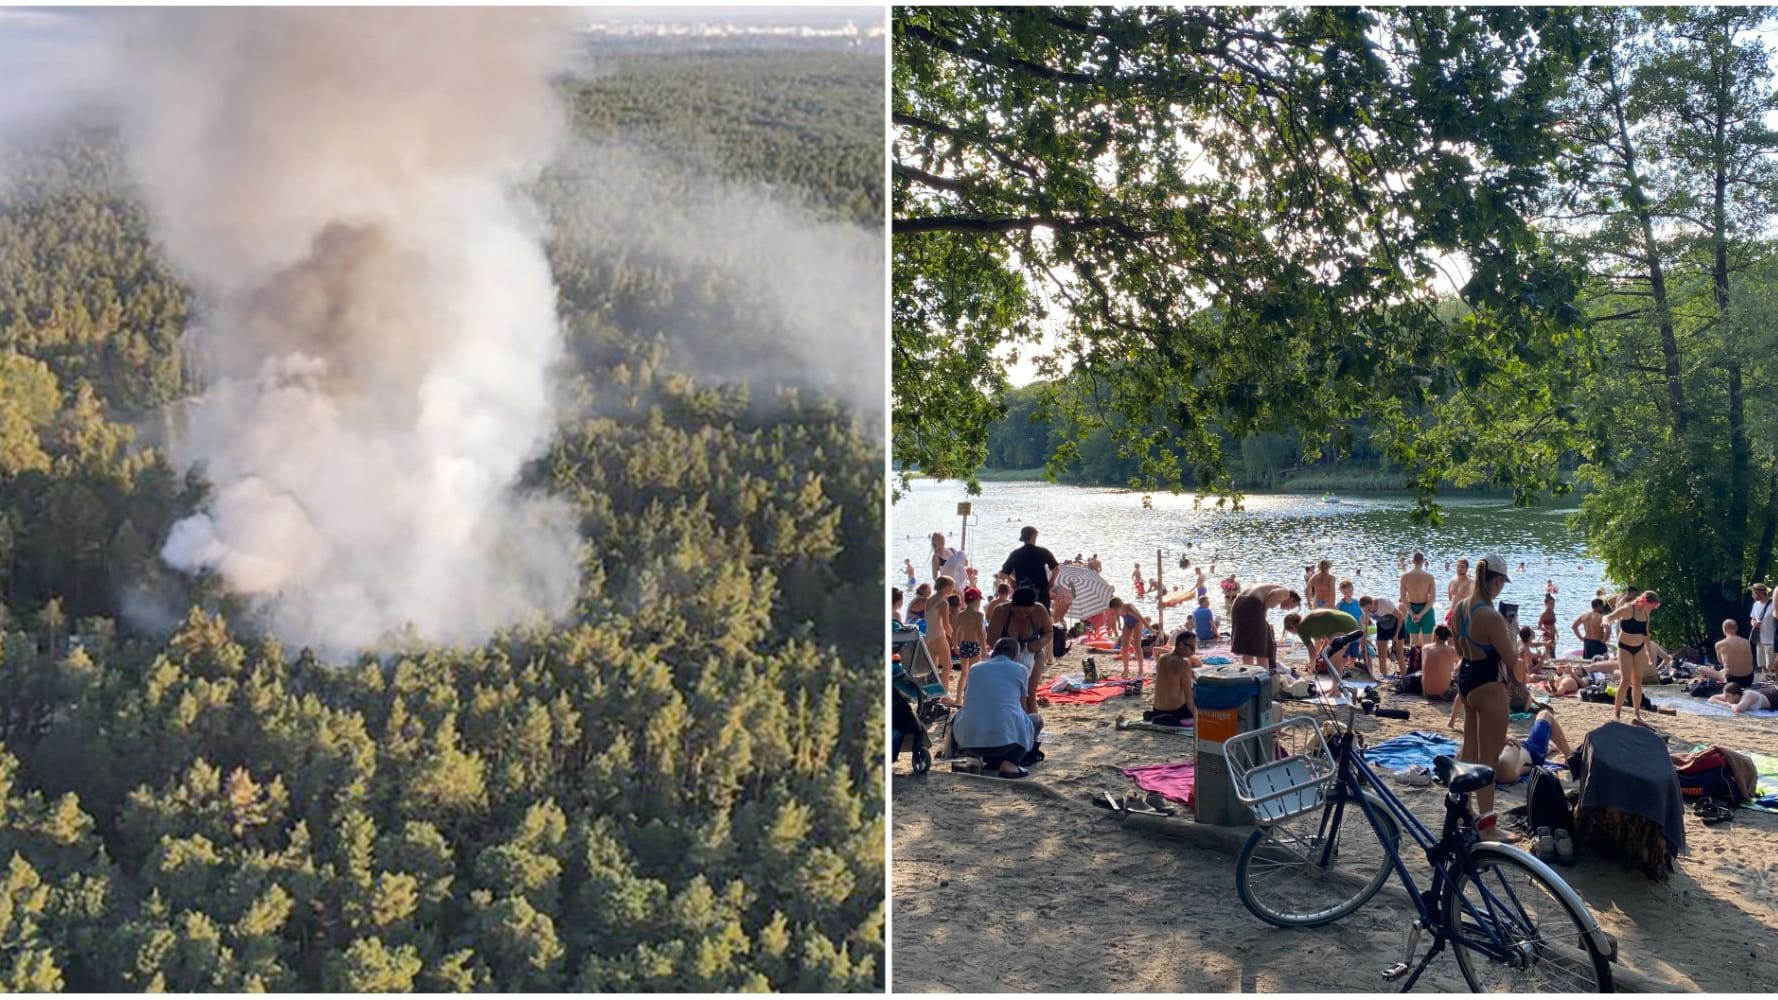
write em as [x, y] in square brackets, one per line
[1017, 772]
[1712, 811]
[1564, 847]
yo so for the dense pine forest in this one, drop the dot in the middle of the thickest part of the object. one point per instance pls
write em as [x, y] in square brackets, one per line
[681, 789]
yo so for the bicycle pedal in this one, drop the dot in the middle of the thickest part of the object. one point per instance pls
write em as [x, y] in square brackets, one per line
[1395, 972]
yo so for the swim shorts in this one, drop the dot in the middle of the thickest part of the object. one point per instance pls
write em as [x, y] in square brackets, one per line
[968, 648]
[1590, 648]
[1538, 743]
[1419, 619]
[1387, 625]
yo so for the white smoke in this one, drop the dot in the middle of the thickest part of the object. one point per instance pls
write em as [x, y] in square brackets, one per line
[377, 325]
[810, 289]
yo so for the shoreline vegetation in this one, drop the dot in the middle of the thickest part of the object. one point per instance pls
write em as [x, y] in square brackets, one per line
[1369, 482]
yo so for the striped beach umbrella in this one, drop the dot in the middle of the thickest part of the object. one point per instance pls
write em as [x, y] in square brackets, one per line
[1092, 594]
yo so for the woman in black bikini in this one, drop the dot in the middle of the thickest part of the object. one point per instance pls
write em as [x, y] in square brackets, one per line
[1632, 648]
[1029, 622]
[1486, 644]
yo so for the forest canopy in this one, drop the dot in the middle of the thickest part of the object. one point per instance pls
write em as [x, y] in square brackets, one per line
[679, 789]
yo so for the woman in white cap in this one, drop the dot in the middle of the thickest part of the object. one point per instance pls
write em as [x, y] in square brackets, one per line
[1487, 644]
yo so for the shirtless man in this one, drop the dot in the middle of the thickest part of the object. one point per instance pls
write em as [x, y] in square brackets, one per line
[1460, 585]
[1173, 674]
[1589, 628]
[1736, 656]
[1417, 591]
[1321, 586]
[1438, 664]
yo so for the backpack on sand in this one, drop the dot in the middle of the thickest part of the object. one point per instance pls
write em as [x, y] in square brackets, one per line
[1546, 804]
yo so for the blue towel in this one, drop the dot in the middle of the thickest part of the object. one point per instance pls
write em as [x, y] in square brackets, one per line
[1398, 753]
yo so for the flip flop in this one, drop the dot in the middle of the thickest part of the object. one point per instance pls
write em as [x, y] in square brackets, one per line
[1017, 772]
[1713, 812]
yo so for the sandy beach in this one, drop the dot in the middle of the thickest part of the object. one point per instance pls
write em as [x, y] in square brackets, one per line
[1005, 888]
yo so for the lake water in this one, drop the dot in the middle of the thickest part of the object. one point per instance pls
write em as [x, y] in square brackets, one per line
[1270, 540]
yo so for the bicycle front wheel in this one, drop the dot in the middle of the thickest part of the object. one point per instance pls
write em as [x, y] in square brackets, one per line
[1515, 933]
[1295, 873]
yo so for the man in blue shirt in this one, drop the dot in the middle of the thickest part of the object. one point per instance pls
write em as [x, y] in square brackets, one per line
[993, 723]
[1204, 621]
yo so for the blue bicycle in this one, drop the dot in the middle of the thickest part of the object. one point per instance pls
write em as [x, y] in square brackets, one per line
[1512, 923]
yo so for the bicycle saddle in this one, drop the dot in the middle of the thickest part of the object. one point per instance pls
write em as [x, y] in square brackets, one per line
[1461, 777]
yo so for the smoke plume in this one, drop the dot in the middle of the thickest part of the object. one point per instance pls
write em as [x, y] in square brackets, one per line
[806, 292]
[378, 323]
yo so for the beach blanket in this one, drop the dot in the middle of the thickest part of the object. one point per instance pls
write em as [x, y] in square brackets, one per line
[1398, 753]
[1679, 701]
[1765, 792]
[1174, 781]
[1102, 692]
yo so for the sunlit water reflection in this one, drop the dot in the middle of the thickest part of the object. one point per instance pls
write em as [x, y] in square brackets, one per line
[1270, 540]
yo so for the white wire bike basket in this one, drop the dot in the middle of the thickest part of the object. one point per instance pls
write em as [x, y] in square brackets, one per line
[1281, 770]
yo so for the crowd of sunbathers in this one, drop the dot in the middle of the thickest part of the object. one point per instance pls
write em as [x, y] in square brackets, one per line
[1477, 656]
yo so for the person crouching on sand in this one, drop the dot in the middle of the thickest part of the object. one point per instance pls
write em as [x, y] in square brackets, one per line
[1173, 673]
[1250, 635]
[994, 723]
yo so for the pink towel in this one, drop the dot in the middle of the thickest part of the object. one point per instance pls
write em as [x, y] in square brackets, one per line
[1090, 696]
[1174, 781]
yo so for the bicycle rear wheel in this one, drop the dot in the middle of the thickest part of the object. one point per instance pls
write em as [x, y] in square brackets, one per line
[1285, 877]
[1548, 948]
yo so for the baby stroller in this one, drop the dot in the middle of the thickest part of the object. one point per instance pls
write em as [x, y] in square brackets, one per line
[915, 708]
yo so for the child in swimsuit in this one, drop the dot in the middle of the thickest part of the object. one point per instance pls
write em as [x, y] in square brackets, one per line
[972, 634]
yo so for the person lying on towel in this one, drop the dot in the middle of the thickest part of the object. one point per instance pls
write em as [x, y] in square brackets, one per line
[1518, 757]
[1173, 674]
[1751, 698]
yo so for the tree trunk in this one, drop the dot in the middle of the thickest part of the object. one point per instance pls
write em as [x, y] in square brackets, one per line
[1657, 278]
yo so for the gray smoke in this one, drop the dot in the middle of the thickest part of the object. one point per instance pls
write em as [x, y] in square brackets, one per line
[377, 326]
[809, 290]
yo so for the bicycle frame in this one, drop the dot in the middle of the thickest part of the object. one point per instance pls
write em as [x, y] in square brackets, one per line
[1449, 855]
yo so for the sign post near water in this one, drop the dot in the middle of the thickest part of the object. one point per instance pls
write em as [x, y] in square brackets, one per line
[1160, 596]
[963, 512]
